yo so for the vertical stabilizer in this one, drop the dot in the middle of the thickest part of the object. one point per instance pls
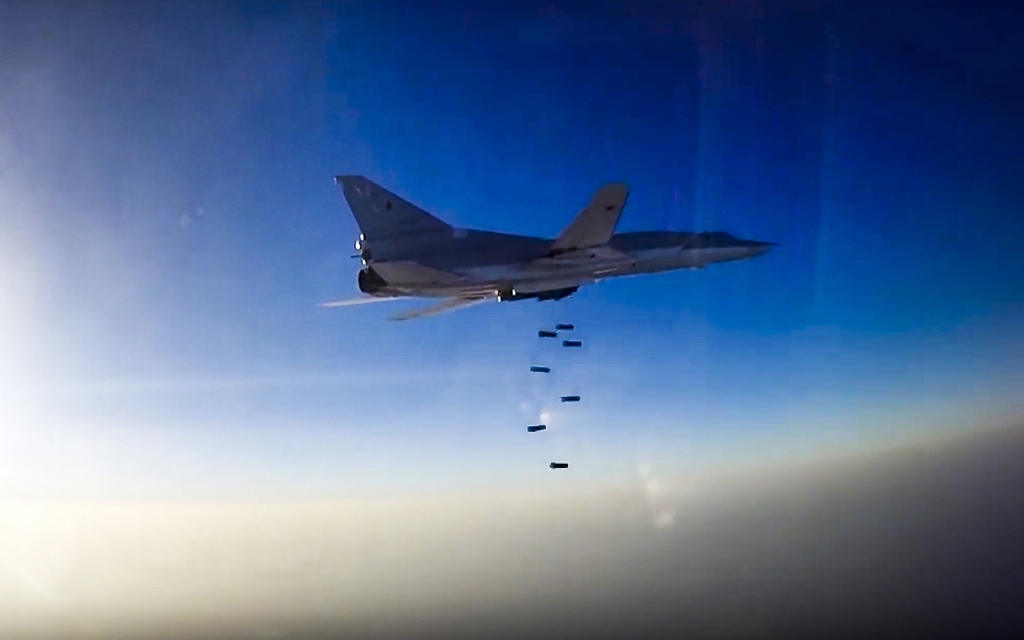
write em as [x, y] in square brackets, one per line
[382, 215]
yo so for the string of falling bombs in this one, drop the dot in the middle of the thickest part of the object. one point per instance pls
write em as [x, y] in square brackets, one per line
[545, 333]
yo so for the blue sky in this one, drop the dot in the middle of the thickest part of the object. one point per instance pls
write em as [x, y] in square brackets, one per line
[170, 226]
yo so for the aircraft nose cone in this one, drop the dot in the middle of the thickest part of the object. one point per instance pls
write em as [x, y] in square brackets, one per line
[760, 248]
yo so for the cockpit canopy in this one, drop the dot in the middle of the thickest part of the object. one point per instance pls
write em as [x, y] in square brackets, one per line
[716, 239]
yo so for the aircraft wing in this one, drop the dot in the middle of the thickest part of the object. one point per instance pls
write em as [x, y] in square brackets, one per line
[594, 225]
[449, 304]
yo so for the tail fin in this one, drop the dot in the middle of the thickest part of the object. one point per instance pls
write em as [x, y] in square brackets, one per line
[381, 214]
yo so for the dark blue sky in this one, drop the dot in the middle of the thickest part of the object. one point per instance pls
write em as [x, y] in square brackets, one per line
[171, 224]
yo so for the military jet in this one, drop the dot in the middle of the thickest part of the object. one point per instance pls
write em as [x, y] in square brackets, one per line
[408, 253]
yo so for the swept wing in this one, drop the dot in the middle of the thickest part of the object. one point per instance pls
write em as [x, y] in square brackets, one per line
[594, 225]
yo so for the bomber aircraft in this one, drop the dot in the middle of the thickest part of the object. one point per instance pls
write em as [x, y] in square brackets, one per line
[408, 253]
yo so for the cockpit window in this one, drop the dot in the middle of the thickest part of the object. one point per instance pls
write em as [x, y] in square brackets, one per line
[715, 238]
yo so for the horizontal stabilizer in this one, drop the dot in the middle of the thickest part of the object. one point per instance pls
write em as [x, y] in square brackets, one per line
[450, 304]
[351, 302]
[382, 215]
[594, 225]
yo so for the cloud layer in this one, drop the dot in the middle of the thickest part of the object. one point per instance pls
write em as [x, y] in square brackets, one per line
[906, 540]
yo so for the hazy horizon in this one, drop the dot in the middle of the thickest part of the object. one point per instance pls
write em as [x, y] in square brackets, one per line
[905, 525]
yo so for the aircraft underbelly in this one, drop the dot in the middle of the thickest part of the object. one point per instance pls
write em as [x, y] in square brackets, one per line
[675, 258]
[539, 272]
[558, 273]
[554, 274]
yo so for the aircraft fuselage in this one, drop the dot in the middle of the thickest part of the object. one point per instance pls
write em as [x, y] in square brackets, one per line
[407, 252]
[519, 267]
